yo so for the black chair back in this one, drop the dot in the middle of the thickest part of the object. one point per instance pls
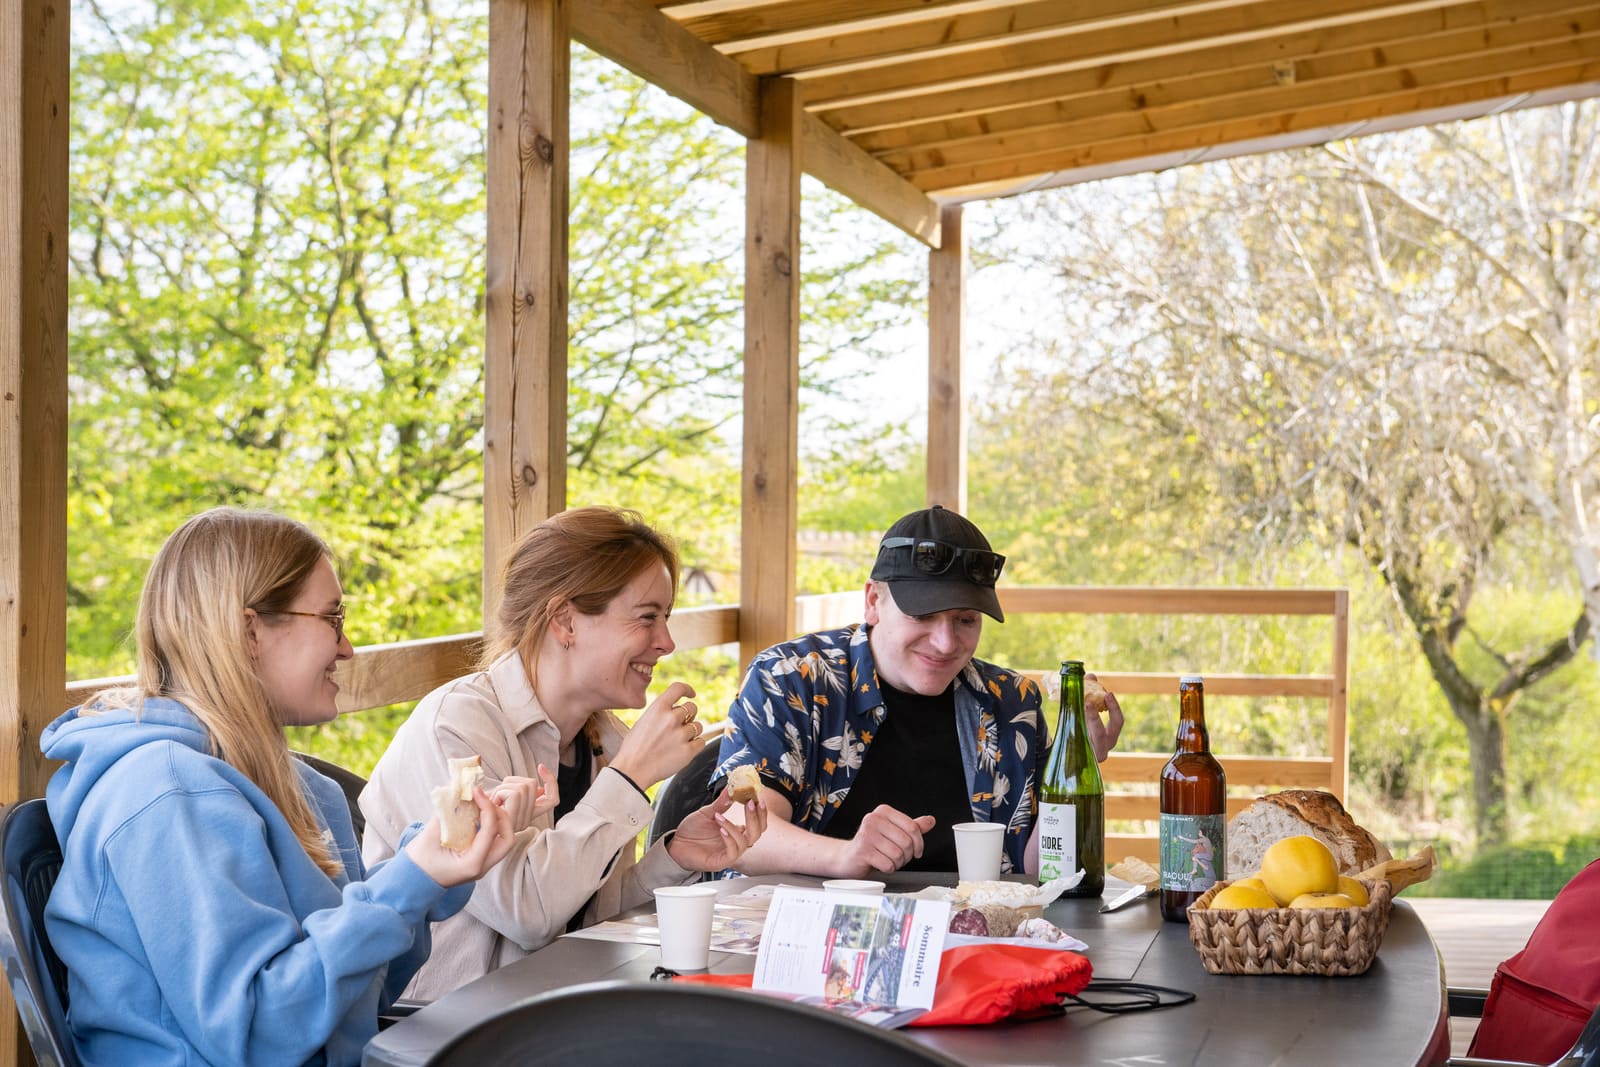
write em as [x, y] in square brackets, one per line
[351, 782]
[30, 857]
[666, 1024]
[686, 791]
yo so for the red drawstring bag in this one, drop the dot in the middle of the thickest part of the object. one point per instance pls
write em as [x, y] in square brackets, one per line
[982, 983]
[1541, 997]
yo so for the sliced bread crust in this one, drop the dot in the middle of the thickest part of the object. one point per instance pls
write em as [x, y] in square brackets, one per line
[1292, 812]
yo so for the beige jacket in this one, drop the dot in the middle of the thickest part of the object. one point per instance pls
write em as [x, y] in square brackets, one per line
[523, 902]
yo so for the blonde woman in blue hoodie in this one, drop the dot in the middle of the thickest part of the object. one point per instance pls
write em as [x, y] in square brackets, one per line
[212, 905]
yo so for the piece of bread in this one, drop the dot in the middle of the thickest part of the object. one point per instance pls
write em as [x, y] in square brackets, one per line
[1401, 874]
[744, 783]
[458, 814]
[1094, 697]
[1300, 811]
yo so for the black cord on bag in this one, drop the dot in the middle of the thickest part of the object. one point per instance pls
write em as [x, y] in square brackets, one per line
[1133, 996]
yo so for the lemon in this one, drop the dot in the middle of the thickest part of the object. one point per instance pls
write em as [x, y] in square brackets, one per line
[1320, 900]
[1298, 865]
[1243, 896]
[1254, 882]
[1354, 890]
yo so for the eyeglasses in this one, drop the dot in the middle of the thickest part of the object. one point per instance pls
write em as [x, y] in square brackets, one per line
[334, 618]
[936, 557]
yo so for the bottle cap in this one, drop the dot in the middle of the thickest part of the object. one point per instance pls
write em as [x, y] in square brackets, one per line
[1191, 679]
[1070, 665]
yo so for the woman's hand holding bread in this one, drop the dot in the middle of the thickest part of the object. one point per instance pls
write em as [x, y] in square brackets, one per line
[488, 846]
[707, 840]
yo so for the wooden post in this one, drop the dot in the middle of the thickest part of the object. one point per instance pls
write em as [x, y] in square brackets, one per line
[34, 80]
[1339, 700]
[771, 372]
[525, 343]
[947, 424]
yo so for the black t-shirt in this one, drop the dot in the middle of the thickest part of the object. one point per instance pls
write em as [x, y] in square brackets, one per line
[573, 782]
[914, 765]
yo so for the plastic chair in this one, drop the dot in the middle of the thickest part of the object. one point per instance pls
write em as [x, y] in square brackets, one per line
[663, 1024]
[30, 856]
[348, 780]
[685, 791]
[1468, 1004]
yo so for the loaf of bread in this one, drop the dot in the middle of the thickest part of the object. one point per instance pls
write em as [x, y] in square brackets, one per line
[1300, 811]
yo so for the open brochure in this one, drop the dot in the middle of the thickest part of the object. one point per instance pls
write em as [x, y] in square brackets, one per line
[874, 958]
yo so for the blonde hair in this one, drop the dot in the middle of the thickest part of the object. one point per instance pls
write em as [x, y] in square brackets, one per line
[583, 557]
[193, 645]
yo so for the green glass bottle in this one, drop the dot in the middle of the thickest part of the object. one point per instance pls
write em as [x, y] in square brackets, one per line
[1072, 800]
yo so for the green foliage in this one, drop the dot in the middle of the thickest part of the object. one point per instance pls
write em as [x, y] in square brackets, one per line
[1534, 869]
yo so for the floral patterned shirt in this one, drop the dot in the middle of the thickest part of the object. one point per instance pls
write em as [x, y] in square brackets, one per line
[809, 708]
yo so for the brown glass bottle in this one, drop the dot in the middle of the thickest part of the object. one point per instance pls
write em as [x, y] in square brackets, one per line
[1194, 809]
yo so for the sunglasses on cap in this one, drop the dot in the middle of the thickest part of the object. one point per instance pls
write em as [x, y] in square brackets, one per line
[936, 557]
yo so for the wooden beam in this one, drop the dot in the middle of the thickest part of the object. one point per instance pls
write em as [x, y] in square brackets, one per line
[1293, 98]
[1165, 683]
[1339, 700]
[525, 349]
[381, 675]
[34, 133]
[947, 409]
[1335, 115]
[632, 34]
[1381, 33]
[1273, 67]
[844, 26]
[1096, 48]
[939, 32]
[771, 373]
[1164, 600]
[1303, 773]
[846, 169]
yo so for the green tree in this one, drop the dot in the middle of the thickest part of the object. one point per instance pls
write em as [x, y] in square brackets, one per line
[278, 230]
[1364, 343]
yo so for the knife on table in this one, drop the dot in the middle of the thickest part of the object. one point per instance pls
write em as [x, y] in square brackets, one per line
[1127, 896]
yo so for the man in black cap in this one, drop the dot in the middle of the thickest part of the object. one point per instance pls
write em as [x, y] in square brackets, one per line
[873, 740]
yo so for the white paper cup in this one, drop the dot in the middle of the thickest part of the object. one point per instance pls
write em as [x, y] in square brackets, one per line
[683, 915]
[978, 847]
[852, 885]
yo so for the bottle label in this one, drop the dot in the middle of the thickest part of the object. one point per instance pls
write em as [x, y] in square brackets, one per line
[1192, 851]
[1058, 840]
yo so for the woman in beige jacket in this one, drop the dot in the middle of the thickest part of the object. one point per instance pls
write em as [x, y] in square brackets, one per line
[581, 625]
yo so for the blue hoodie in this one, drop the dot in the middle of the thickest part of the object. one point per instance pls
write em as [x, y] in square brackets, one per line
[194, 927]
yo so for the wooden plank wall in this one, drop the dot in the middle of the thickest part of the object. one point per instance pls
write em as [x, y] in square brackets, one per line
[525, 341]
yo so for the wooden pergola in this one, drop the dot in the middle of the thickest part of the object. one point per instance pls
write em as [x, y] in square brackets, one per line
[908, 107]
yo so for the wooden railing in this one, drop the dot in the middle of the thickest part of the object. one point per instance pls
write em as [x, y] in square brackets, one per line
[380, 675]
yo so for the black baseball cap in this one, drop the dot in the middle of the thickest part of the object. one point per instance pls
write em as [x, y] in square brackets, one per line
[936, 560]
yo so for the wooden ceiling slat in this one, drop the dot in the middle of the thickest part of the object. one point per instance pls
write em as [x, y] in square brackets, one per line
[768, 24]
[939, 33]
[1280, 100]
[936, 28]
[1331, 114]
[1379, 33]
[1479, 43]
[1095, 49]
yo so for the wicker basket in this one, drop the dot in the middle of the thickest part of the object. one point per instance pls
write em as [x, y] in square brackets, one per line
[1326, 941]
